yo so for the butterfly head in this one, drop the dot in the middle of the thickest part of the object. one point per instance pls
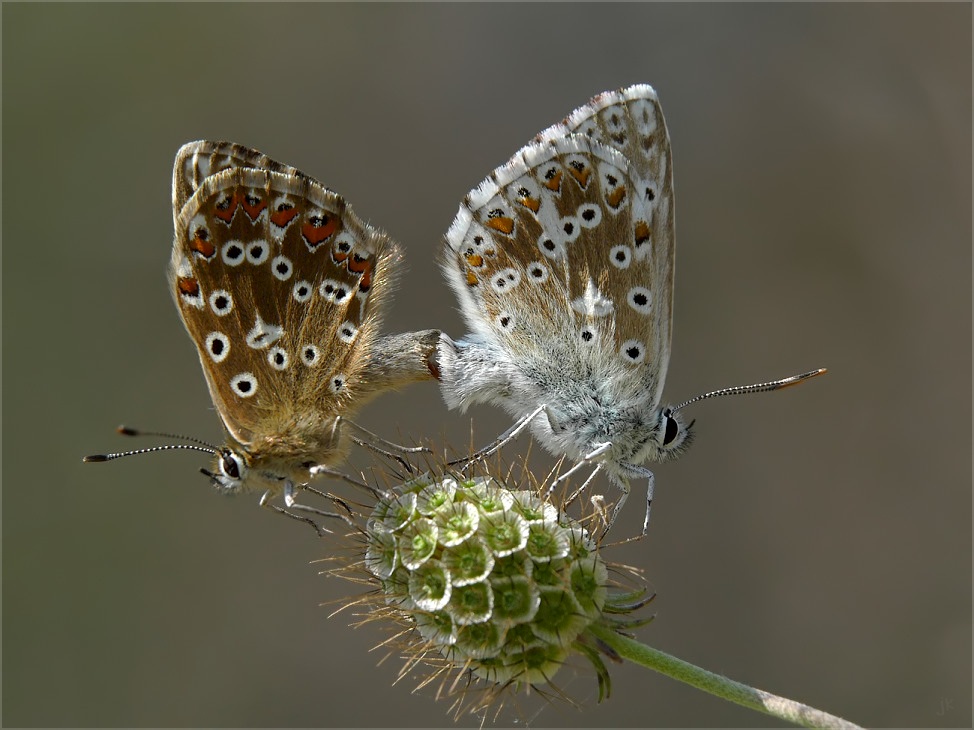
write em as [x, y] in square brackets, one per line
[232, 473]
[236, 468]
[270, 462]
[670, 437]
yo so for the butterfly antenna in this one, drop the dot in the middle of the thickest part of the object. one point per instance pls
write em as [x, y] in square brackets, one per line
[95, 458]
[756, 388]
[126, 431]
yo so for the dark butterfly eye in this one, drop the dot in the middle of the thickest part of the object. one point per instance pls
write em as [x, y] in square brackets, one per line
[230, 466]
[671, 431]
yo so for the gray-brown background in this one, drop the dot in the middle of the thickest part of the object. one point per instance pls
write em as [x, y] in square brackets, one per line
[815, 543]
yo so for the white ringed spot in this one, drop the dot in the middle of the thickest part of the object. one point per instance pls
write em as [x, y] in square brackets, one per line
[640, 299]
[233, 253]
[550, 247]
[620, 256]
[537, 272]
[302, 291]
[333, 291]
[310, 355]
[337, 383]
[258, 252]
[587, 336]
[505, 280]
[244, 384]
[217, 346]
[277, 357]
[347, 332]
[633, 351]
[221, 302]
[589, 215]
[505, 321]
[282, 268]
[570, 227]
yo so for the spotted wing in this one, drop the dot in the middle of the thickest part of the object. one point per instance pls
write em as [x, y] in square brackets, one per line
[562, 259]
[196, 161]
[631, 121]
[278, 284]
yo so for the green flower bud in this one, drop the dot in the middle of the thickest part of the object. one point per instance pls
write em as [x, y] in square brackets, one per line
[498, 581]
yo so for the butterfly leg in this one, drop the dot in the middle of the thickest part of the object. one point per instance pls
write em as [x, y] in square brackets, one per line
[375, 438]
[623, 484]
[267, 504]
[587, 459]
[583, 487]
[321, 469]
[502, 440]
[290, 501]
[367, 444]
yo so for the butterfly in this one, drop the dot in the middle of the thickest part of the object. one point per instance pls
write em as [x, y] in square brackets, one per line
[562, 263]
[281, 289]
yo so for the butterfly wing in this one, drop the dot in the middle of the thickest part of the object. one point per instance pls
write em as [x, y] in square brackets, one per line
[199, 160]
[631, 121]
[561, 260]
[279, 285]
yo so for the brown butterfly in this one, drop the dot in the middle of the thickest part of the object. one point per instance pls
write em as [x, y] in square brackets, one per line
[281, 286]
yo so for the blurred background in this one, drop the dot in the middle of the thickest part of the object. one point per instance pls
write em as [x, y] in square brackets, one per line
[815, 543]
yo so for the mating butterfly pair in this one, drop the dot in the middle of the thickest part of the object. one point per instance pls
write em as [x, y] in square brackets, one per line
[561, 260]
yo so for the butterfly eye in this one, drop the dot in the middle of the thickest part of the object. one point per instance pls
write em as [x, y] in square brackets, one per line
[671, 431]
[229, 464]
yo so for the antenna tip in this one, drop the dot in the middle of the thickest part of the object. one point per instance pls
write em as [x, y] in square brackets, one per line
[796, 379]
[94, 458]
[126, 431]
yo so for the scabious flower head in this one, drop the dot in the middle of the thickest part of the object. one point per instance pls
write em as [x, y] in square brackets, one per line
[494, 584]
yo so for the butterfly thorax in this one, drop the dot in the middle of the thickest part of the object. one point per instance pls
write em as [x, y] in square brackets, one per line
[598, 420]
[586, 405]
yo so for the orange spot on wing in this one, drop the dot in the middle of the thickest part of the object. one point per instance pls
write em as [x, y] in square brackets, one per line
[554, 182]
[188, 286]
[321, 230]
[532, 204]
[201, 245]
[475, 260]
[580, 175]
[501, 223]
[283, 215]
[642, 232]
[615, 198]
[226, 207]
[359, 265]
[365, 283]
[254, 209]
[471, 279]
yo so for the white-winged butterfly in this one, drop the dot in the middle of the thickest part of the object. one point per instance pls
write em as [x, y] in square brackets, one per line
[562, 262]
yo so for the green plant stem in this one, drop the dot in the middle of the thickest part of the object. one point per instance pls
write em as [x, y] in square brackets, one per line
[717, 685]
